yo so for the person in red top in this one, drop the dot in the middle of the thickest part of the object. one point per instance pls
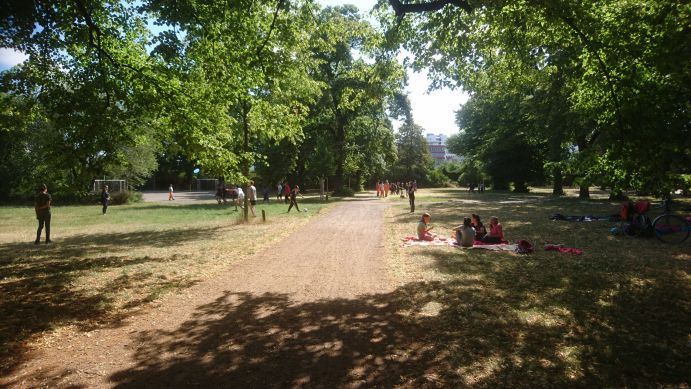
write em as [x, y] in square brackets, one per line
[286, 192]
[496, 232]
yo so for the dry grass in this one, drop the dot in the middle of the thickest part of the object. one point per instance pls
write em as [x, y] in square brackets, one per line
[617, 316]
[103, 268]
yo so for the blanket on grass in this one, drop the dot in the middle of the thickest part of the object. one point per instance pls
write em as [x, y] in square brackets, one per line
[444, 241]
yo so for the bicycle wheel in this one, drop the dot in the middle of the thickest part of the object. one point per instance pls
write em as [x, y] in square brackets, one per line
[671, 228]
[640, 226]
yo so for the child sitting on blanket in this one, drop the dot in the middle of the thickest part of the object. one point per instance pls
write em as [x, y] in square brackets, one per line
[465, 233]
[480, 230]
[423, 228]
[496, 233]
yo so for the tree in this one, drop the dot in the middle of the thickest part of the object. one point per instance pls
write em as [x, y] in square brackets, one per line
[244, 71]
[617, 65]
[350, 115]
[87, 74]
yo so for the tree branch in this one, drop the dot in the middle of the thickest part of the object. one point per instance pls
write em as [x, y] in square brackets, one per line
[271, 28]
[95, 30]
[401, 9]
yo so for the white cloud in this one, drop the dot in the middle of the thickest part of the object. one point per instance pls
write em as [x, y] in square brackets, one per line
[10, 57]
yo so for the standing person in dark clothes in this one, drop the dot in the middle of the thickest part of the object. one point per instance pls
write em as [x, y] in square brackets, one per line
[105, 197]
[287, 191]
[411, 196]
[293, 198]
[42, 208]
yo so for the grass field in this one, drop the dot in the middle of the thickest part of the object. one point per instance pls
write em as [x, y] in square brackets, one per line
[617, 316]
[103, 268]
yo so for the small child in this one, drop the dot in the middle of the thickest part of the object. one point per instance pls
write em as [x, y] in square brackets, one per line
[480, 230]
[465, 233]
[423, 228]
[496, 233]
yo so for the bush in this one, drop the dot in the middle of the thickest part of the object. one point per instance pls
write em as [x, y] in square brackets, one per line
[126, 197]
[345, 192]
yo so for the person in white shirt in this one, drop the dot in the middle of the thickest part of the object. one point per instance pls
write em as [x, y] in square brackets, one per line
[253, 197]
[241, 198]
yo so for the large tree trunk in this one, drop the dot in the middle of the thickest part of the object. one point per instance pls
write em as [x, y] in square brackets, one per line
[584, 192]
[558, 184]
[245, 162]
[340, 157]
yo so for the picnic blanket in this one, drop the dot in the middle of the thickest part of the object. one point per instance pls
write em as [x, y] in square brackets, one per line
[585, 218]
[444, 241]
[438, 241]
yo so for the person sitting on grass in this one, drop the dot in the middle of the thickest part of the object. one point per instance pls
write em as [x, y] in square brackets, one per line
[480, 230]
[496, 233]
[465, 233]
[423, 228]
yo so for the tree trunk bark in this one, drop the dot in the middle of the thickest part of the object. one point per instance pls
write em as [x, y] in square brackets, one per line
[558, 185]
[584, 192]
[245, 162]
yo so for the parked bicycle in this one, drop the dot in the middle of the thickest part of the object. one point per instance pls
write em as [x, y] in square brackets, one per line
[667, 227]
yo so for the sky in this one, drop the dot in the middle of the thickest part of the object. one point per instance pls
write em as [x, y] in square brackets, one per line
[433, 111]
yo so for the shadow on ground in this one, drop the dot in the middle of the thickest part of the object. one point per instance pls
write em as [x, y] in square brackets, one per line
[36, 282]
[472, 332]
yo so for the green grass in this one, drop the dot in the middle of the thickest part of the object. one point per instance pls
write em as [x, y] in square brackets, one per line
[617, 316]
[103, 268]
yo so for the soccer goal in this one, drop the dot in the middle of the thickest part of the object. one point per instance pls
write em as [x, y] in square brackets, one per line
[113, 185]
[207, 184]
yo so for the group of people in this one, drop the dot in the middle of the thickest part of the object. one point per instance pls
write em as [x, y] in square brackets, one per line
[403, 189]
[288, 194]
[467, 233]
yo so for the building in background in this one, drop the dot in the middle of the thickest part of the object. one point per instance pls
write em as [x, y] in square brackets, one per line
[436, 144]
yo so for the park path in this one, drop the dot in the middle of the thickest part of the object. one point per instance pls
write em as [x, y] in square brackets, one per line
[293, 303]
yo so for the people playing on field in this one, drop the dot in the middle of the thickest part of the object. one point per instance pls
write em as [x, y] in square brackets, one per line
[423, 228]
[496, 233]
[171, 195]
[387, 187]
[294, 198]
[480, 230]
[465, 233]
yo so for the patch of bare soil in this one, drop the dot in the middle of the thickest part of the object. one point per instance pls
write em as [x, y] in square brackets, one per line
[318, 309]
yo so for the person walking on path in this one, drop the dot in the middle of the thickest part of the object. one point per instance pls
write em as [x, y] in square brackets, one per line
[105, 197]
[411, 196]
[252, 197]
[170, 193]
[42, 208]
[279, 192]
[293, 198]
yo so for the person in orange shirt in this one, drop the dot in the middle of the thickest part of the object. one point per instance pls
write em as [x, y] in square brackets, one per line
[386, 188]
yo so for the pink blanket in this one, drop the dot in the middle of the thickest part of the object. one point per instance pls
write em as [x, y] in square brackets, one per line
[444, 241]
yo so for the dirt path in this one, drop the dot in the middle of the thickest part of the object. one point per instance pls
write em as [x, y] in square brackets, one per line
[310, 311]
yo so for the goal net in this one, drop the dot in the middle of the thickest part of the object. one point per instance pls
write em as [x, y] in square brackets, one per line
[207, 184]
[113, 185]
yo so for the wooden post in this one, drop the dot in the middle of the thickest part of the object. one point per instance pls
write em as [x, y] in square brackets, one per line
[263, 215]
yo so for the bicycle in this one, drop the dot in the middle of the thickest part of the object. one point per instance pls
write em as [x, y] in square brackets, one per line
[667, 227]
